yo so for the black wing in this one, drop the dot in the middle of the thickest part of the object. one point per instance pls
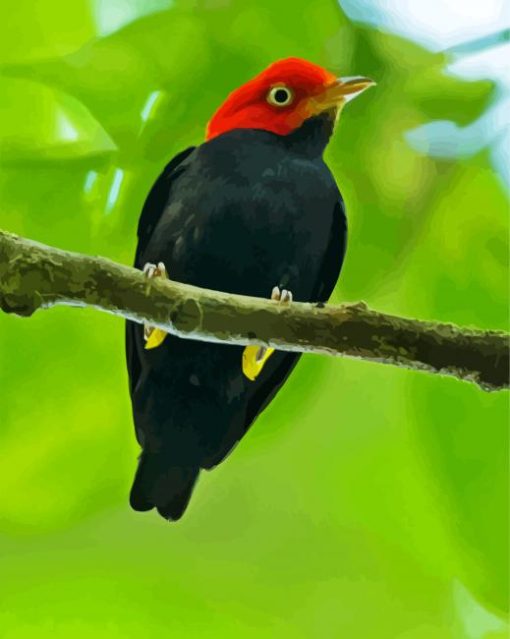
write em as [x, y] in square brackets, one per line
[332, 265]
[152, 210]
[335, 253]
[157, 200]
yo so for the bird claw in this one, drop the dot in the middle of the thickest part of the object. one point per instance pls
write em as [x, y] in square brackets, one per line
[152, 270]
[283, 296]
[154, 336]
[255, 357]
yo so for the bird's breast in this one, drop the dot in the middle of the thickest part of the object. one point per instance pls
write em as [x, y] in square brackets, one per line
[245, 218]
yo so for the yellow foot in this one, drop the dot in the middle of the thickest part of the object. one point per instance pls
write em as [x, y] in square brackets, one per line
[255, 357]
[153, 336]
[155, 339]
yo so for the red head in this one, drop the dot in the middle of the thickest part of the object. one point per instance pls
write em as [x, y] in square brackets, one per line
[282, 97]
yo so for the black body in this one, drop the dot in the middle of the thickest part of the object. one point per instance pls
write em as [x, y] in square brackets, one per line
[241, 213]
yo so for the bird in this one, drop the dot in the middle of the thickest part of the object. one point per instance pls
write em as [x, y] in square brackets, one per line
[252, 210]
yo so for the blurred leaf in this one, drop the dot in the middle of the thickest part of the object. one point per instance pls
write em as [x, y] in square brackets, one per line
[62, 436]
[39, 123]
[37, 30]
[464, 432]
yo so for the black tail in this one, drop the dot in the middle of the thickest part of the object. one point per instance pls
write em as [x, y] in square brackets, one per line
[161, 485]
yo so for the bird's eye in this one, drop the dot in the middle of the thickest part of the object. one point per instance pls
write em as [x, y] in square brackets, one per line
[280, 96]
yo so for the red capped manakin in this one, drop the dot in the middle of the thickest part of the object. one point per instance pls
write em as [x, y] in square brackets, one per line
[253, 210]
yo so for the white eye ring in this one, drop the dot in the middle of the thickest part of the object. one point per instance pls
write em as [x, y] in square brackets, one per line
[280, 96]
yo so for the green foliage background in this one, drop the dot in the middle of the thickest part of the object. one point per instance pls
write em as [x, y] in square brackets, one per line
[367, 502]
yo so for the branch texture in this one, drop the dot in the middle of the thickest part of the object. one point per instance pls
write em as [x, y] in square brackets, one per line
[35, 276]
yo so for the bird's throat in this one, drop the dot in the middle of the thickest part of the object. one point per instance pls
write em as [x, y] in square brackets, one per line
[312, 137]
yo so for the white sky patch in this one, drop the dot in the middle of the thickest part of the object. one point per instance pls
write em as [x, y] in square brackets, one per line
[112, 15]
[436, 24]
[446, 139]
[493, 127]
[492, 63]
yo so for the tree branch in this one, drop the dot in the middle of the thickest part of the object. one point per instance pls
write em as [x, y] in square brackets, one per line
[35, 276]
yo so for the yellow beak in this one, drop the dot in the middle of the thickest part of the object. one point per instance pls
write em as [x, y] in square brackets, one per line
[339, 92]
